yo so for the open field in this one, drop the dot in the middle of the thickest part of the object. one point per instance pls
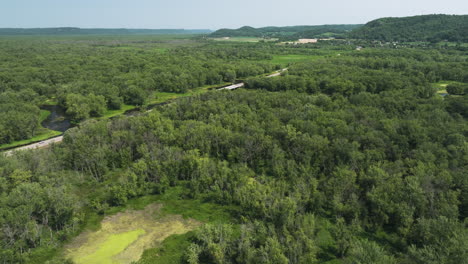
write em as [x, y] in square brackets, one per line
[124, 236]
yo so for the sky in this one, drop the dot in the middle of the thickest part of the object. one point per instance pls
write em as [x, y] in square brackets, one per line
[211, 14]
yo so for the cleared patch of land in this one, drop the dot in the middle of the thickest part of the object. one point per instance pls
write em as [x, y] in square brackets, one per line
[124, 236]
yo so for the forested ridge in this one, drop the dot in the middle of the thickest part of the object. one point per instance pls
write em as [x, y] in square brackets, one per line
[347, 157]
[286, 33]
[432, 28]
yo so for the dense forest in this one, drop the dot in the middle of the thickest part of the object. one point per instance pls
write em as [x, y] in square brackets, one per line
[287, 33]
[347, 157]
[91, 77]
[432, 28]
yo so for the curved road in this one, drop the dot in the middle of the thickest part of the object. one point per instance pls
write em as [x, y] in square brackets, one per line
[46, 143]
[37, 145]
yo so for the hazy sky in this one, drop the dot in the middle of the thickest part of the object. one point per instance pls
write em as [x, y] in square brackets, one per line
[212, 14]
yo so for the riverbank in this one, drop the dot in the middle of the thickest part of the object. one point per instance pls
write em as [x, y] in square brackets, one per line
[157, 98]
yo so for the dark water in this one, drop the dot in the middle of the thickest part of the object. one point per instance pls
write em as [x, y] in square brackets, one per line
[57, 119]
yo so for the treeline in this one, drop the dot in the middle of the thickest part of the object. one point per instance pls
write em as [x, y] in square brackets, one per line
[433, 28]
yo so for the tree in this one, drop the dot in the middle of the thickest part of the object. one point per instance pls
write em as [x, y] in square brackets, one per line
[368, 252]
[134, 95]
[77, 106]
[457, 89]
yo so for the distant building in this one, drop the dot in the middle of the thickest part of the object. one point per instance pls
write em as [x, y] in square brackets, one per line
[304, 41]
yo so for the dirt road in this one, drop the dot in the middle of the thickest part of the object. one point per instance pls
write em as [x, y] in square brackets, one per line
[37, 145]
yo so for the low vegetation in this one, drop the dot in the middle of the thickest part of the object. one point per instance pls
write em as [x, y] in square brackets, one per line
[124, 236]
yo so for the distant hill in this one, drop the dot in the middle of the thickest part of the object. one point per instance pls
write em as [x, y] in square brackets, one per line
[416, 28]
[292, 32]
[97, 31]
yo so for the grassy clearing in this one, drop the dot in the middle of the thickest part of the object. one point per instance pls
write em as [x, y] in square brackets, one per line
[171, 250]
[441, 86]
[122, 110]
[124, 236]
[158, 225]
[111, 247]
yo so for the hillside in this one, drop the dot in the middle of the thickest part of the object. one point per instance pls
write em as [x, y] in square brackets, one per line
[97, 31]
[416, 28]
[293, 32]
